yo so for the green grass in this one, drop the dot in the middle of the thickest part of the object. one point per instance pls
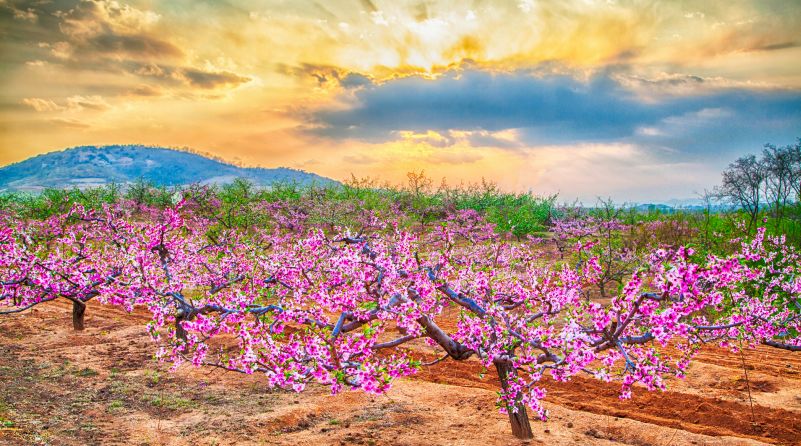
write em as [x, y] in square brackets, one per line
[115, 406]
[168, 401]
[86, 372]
[153, 377]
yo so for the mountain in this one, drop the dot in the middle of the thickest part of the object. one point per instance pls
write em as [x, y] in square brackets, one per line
[88, 166]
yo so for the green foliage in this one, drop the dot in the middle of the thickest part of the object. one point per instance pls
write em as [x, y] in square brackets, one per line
[244, 205]
[145, 193]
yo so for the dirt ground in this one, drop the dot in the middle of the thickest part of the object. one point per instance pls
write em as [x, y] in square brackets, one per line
[102, 387]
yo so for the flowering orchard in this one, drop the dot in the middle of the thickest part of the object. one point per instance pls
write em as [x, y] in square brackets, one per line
[354, 308]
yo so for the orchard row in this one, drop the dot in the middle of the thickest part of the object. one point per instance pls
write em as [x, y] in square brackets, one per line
[357, 306]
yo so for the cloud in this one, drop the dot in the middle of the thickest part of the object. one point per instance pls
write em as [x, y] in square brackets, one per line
[506, 139]
[323, 75]
[549, 108]
[146, 91]
[355, 80]
[210, 79]
[91, 17]
[191, 76]
[137, 45]
[327, 77]
[775, 46]
[107, 28]
[93, 102]
[69, 123]
[150, 70]
[481, 100]
[430, 138]
[27, 15]
[473, 138]
[42, 105]
[72, 103]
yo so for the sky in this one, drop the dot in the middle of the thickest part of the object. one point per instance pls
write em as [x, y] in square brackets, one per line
[633, 100]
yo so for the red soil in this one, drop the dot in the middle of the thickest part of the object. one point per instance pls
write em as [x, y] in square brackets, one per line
[101, 386]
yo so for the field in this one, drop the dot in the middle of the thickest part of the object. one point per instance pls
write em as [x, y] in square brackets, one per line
[369, 316]
[101, 386]
[416, 222]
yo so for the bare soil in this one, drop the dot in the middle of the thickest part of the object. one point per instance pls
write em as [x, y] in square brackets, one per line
[102, 387]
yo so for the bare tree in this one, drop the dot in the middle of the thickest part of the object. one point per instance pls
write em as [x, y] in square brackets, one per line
[743, 184]
[794, 178]
[778, 166]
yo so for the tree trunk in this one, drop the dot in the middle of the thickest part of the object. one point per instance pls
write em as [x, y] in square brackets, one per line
[78, 310]
[180, 331]
[518, 416]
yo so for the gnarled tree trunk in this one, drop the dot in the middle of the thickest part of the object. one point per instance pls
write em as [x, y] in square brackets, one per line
[78, 310]
[180, 331]
[518, 417]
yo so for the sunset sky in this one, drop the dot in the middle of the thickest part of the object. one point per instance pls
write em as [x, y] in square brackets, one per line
[630, 99]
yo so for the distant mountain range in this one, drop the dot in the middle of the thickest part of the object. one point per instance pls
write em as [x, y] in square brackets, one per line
[89, 166]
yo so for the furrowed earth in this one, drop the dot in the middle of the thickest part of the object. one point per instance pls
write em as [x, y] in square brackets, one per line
[103, 387]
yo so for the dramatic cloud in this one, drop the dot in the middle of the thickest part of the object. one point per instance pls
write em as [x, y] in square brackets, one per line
[100, 27]
[555, 109]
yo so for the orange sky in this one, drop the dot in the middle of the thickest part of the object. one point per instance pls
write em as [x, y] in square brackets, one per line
[302, 84]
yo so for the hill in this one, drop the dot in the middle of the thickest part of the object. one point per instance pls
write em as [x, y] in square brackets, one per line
[88, 166]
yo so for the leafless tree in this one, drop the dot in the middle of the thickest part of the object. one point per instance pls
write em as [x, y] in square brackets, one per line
[794, 177]
[778, 169]
[743, 184]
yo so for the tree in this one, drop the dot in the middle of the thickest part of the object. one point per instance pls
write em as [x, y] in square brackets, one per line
[58, 258]
[743, 185]
[794, 176]
[779, 168]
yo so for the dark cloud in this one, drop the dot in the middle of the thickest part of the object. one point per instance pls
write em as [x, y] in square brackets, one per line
[210, 79]
[687, 80]
[355, 80]
[195, 77]
[478, 100]
[776, 46]
[84, 31]
[327, 75]
[322, 74]
[138, 45]
[555, 109]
